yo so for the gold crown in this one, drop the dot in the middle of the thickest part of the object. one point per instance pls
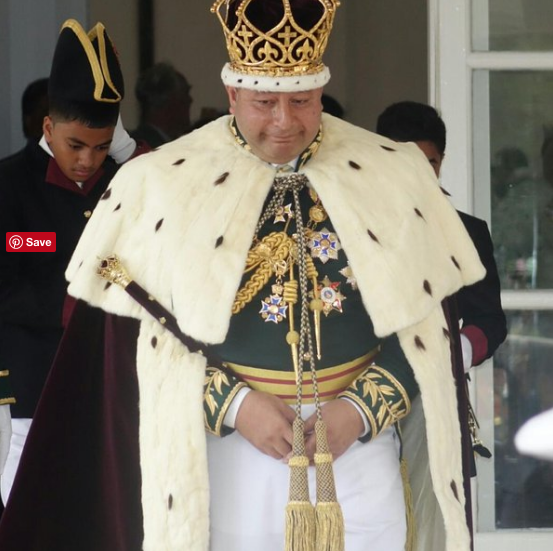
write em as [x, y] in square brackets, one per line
[285, 50]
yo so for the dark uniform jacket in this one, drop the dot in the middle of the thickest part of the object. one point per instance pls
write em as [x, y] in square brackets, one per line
[479, 305]
[35, 196]
[149, 134]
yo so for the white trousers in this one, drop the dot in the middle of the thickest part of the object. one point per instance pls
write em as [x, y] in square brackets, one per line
[249, 492]
[20, 429]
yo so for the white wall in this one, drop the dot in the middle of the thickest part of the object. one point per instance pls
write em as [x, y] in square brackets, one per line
[387, 56]
[377, 53]
[28, 34]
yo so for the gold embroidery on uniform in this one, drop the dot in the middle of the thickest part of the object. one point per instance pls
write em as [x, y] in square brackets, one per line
[389, 401]
[216, 386]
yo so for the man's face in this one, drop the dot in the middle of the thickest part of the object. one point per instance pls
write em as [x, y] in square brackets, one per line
[278, 126]
[78, 149]
[432, 154]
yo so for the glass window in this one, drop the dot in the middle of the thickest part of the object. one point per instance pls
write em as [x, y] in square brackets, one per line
[512, 25]
[515, 167]
[521, 176]
[523, 387]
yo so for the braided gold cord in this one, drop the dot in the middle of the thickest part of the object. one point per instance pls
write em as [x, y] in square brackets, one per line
[252, 287]
[271, 250]
[267, 248]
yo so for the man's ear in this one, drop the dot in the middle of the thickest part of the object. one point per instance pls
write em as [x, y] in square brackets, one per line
[232, 93]
[47, 128]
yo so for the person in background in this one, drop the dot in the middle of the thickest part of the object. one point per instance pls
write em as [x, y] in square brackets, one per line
[207, 114]
[54, 186]
[281, 315]
[164, 97]
[484, 325]
[332, 106]
[34, 108]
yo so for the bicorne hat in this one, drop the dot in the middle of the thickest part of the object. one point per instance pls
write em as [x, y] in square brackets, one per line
[85, 69]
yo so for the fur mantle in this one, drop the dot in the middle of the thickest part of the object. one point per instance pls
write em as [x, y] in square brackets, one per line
[181, 219]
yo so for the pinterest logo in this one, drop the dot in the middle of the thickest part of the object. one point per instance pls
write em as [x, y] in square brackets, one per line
[16, 242]
[31, 242]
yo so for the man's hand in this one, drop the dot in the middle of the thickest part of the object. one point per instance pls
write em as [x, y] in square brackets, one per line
[344, 426]
[266, 422]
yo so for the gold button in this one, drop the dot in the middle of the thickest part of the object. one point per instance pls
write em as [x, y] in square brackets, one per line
[87, 213]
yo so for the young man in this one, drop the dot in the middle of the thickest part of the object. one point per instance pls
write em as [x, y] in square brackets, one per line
[54, 186]
[484, 325]
[313, 257]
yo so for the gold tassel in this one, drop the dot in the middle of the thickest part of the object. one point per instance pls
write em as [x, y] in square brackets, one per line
[410, 542]
[300, 514]
[328, 513]
[300, 526]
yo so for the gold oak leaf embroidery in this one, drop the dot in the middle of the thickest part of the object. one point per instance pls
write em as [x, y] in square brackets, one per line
[214, 379]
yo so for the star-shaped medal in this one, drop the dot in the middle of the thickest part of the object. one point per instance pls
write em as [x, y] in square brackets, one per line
[284, 213]
[330, 294]
[324, 244]
[347, 272]
[273, 309]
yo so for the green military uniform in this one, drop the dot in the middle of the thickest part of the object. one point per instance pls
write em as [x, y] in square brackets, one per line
[347, 334]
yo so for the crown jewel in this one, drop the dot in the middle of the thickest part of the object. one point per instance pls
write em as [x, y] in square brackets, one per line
[277, 38]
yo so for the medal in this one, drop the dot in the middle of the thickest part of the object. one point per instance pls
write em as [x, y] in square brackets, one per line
[331, 296]
[284, 213]
[273, 309]
[324, 244]
[317, 213]
[347, 272]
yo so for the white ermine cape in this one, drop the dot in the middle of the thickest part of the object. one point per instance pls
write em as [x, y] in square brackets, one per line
[181, 219]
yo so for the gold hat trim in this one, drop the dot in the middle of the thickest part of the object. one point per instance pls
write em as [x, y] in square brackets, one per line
[99, 68]
[99, 31]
